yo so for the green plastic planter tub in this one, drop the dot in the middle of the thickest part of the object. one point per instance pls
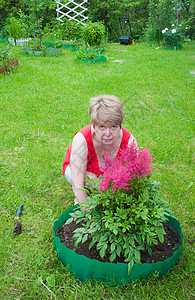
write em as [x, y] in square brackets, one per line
[48, 44]
[49, 52]
[3, 40]
[99, 58]
[112, 274]
[178, 47]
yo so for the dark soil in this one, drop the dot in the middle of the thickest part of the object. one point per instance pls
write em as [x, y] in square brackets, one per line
[159, 252]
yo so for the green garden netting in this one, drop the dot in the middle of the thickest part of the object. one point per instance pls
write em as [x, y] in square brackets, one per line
[178, 47]
[97, 59]
[79, 47]
[46, 52]
[3, 40]
[54, 45]
[111, 273]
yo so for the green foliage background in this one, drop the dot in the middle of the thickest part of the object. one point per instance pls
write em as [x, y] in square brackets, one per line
[145, 16]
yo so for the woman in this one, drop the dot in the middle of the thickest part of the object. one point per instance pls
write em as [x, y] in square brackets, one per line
[104, 137]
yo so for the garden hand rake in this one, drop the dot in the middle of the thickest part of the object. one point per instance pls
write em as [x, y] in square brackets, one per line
[18, 226]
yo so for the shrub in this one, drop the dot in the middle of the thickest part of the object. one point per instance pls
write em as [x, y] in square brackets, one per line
[72, 30]
[4, 34]
[86, 54]
[124, 213]
[52, 35]
[7, 64]
[93, 33]
[14, 28]
[161, 14]
[173, 36]
[58, 32]
[153, 34]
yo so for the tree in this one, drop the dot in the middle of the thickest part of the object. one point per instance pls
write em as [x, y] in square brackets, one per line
[188, 16]
[8, 7]
[162, 14]
[14, 28]
[110, 12]
[33, 15]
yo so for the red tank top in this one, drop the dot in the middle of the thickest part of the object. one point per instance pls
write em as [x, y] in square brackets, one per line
[92, 164]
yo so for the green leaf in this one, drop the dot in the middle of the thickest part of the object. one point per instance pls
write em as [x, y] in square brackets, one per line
[76, 235]
[77, 241]
[69, 221]
[154, 241]
[85, 237]
[130, 265]
[80, 229]
[112, 238]
[161, 238]
[113, 256]
[143, 215]
[115, 231]
[92, 243]
[150, 251]
[137, 256]
[118, 249]
[160, 212]
[103, 249]
[126, 245]
[112, 248]
[129, 254]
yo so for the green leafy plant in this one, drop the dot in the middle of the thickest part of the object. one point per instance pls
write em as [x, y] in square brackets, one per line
[57, 32]
[91, 55]
[81, 54]
[93, 33]
[124, 213]
[161, 14]
[33, 18]
[86, 54]
[173, 36]
[7, 63]
[154, 34]
[14, 28]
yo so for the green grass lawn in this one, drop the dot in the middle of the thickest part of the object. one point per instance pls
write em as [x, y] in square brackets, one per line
[43, 104]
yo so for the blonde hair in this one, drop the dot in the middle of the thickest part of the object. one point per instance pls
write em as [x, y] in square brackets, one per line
[106, 108]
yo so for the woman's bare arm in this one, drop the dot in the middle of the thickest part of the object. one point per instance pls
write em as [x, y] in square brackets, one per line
[78, 165]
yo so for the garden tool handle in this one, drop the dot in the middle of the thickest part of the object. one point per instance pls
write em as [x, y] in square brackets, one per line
[18, 213]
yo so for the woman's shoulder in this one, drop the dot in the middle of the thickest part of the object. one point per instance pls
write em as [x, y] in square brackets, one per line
[128, 138]
[82, 136]
[126, 133]
[79, 144]
[86, 130]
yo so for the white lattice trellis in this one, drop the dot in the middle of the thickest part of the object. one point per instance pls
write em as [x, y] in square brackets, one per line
[72, 10]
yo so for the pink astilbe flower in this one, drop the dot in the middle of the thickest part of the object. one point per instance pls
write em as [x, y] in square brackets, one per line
[144, 162]
[131, 162]
[120, 176]
[107, 169]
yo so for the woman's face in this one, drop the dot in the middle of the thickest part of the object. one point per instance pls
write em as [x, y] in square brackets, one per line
[107, 132]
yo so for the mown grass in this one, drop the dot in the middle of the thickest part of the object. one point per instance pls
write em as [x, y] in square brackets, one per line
[42, 105]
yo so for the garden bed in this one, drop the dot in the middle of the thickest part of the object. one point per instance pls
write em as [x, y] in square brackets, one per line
[97, 59]
[45, 52]
[86, 264]
[178, 47]
[58, 45]
[159, 252]
[90, 50]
